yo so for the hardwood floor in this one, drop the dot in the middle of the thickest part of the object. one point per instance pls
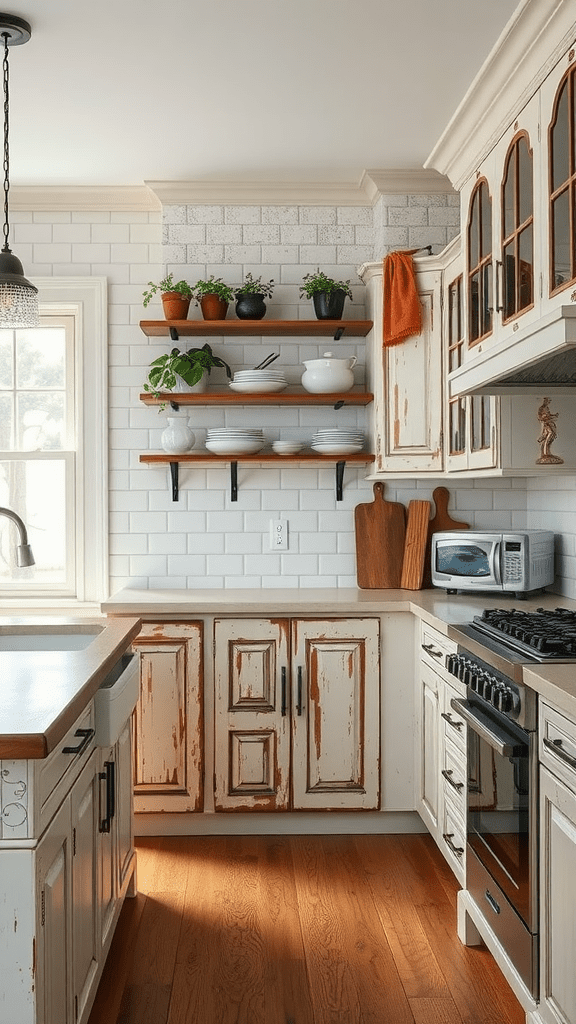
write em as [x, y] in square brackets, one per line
[296, 930]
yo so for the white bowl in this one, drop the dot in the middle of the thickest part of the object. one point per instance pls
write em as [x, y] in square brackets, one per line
[287, 447]
[234, 447]
[336, 449]
[258, 387]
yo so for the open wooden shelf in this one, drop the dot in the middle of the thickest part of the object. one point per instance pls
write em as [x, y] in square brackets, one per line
[205, 458]
[247, 328]
[292, 396]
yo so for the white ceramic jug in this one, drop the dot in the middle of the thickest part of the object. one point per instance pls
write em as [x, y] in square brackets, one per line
[177, 437]
[328, 374]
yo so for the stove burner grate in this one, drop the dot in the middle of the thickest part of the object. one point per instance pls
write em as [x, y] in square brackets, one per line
[549, 632]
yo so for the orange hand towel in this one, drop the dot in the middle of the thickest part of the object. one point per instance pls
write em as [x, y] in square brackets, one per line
[402, 311]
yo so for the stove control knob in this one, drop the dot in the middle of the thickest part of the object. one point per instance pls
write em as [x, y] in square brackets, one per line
[506, 700]
[451, 662]
[462, 666]
[488, 687]
[475, 681]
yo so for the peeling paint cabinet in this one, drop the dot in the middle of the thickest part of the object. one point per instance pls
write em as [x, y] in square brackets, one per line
[406, 379]
[67, 862]
[168, 720]
[297, 714]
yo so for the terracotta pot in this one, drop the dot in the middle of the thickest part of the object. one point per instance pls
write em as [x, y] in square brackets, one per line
[175, 306]
[213, 308]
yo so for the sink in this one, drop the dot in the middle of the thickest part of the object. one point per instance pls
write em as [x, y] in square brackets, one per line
[49, 640]
[116, 699]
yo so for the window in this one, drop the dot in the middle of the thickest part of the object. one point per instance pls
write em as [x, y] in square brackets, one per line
[517, 229]
[563, 186]
[53, 464]
[480, 263]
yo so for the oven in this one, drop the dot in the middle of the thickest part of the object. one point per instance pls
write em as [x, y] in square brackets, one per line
[502, 790]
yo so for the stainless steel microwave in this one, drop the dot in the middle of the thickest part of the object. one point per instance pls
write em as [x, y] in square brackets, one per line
[470, 560]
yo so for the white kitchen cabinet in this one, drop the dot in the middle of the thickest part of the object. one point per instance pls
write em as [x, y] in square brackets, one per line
[297, 713]
[557, 866]
[406, 379]
[441, 751]
[168, 718]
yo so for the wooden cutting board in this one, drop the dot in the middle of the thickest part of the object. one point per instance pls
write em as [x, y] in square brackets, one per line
[380, 532]
[415, 545]
[441, 521]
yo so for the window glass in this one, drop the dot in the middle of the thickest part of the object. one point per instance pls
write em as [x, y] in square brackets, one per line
[37, 489]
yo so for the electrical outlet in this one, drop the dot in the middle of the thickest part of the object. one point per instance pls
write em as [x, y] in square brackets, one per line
[278, 534]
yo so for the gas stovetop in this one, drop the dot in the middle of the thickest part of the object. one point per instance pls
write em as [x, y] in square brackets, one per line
[508, 638]
[546, 635]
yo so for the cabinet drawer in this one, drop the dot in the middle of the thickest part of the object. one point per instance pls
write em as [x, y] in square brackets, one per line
[60, 769]
[453, 725]
[453, 840]
[557, 741]
[454, 778]
[434, 647]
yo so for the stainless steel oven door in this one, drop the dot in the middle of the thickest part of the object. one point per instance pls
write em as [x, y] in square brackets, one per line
[502, 805]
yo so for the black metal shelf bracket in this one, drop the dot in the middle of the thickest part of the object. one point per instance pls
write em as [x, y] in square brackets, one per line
[174, 333]
[339, 480]
[233, 481]
[174, 480]
[338, 333]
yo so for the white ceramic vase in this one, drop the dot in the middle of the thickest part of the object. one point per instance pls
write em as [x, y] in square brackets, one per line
[177, 436]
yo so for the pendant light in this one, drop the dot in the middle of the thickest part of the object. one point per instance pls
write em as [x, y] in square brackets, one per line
[18, 296]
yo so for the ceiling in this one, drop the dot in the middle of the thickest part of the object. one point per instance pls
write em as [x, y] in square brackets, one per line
[118, 92]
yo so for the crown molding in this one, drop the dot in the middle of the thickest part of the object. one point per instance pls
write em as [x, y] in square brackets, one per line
[405, 181]
[282, 193]
[83, 197]
[530, 45]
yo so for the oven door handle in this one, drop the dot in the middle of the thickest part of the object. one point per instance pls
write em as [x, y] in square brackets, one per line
[498, 738]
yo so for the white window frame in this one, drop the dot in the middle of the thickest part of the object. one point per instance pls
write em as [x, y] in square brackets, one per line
[86, 300]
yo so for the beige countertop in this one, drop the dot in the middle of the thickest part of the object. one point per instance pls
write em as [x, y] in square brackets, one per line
[43, 692]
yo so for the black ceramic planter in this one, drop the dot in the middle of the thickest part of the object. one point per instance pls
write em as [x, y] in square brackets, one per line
[329, 305]
[250, 307]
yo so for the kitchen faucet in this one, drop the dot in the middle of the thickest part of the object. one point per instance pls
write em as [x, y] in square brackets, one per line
[24, 554]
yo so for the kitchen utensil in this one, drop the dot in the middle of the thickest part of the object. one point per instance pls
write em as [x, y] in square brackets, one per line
[415, 545]
[380, 532]
[266, 362]
[441, 521]
[322, 376]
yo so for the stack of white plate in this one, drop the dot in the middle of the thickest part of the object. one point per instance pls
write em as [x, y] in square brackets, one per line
[338, 442]
[234, 440]
[258, 381]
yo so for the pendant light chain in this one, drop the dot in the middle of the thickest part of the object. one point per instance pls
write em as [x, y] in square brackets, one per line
[6, 161]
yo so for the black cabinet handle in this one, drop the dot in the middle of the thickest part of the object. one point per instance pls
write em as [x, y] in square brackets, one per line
[283, 699]
[299, 699]
[447, 773]
[556, 747]
[86, 735]
[430, 649]
[109, 776]
[451, 721]
[448, 839]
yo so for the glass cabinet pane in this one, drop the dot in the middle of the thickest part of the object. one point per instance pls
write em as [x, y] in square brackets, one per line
[526, 268]
[508, 212]
[525, 183]
[480, 415]
[561, 240]
[559, 141]
[457, 427]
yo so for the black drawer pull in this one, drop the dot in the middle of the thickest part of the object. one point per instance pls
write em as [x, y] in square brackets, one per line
[283, 697]
[86, 735]
[556, 747]
[109, 776]
[490, 899]
[447, 773]
[451, 721]
[447, 837]
[430, 649]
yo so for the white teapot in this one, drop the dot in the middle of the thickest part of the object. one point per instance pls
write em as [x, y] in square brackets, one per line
[328, 374]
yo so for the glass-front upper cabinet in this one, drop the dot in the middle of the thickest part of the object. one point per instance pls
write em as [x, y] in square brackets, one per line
[502, 236]
[471, 420]
[558, 103]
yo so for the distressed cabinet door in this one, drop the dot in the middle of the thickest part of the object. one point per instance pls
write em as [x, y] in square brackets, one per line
[84, 802]
[168, 718]
[336, 713]
[53, 927]
[252, 733]
[557, 913]
[429, 753]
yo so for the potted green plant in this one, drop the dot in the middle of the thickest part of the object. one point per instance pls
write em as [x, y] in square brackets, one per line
[191, 367]
[213, 297]
[327, 294]
[250, 297]
[175, 295]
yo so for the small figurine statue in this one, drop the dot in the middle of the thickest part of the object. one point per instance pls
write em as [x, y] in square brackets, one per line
[548, 434]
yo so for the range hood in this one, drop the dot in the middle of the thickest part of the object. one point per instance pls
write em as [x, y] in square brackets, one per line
[540, 357]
